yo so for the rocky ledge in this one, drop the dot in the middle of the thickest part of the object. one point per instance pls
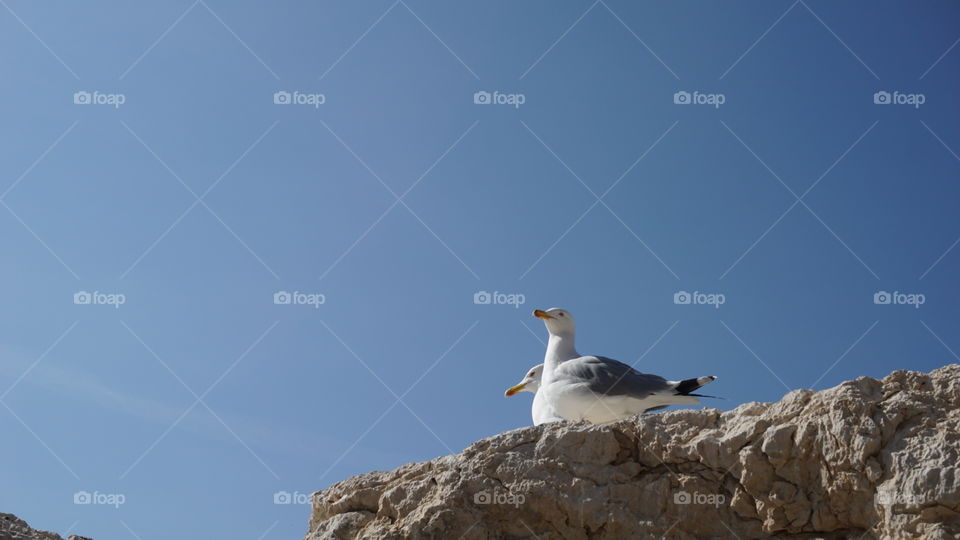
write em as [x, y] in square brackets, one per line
[868, 458]
[14, 528]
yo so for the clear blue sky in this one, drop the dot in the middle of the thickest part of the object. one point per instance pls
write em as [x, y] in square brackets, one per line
[495, 197]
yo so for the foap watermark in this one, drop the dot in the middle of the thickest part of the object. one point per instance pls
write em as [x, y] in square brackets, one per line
[482, 97]
[899, 299]
[285, 497]
[499, 497]
[298, 298]
[282, 97]
[890, 498]
[97, 298]
[98, 98]
[699, 298]
[685, 497]
[682, 97]
[897, 98]
[498, 298]
[106, 499]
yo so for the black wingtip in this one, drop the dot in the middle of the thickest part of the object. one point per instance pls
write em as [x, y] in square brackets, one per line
[705, 395]
[689, 385]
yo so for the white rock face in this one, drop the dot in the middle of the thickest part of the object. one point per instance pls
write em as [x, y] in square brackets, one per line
[868, 458]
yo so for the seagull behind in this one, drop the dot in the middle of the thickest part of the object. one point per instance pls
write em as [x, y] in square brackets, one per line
[540, 410]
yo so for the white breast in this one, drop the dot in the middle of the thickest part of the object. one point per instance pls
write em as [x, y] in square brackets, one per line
[542, 411]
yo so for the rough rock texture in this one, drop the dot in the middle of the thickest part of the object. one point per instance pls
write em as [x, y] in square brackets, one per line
[14, 528]
[868, 458]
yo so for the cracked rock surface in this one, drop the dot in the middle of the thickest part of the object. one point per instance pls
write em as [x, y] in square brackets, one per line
[14, 528]
[868, 458]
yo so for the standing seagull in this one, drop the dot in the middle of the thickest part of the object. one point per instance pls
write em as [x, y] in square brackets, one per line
[598, 389]
[542, 412]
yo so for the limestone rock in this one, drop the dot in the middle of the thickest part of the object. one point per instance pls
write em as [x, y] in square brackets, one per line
[866, 459]
[14, 528]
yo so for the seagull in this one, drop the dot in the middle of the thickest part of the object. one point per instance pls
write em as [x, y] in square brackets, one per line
[601, 390]
[541, 411]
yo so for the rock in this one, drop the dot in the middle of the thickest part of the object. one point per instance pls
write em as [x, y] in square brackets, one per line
[14, 528]
[868, 458]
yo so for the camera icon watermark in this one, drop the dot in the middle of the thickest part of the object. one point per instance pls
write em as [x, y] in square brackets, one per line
[482, 97]
[683, 298]
[883, 97]
[282, 97]
[285, 497]
[484, 298]
[84, 298]
[898, 298]
[297, 298]
[713, 499]
[107, 499]
[485, 497]
[682, 97]
[83, 97]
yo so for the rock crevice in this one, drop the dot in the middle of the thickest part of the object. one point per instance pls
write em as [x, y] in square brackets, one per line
[868, 458]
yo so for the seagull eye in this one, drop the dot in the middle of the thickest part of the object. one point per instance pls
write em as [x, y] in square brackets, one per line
[561, 314]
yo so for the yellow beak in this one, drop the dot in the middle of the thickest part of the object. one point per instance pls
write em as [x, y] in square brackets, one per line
[541, 314]
[515, 389]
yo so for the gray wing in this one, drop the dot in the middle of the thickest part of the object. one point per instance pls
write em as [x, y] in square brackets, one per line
[613, 378]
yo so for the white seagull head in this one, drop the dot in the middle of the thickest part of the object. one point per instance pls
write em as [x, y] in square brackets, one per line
[558, 321]
[530, 382]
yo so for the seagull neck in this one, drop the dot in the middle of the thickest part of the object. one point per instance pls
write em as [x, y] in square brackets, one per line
[561, 348]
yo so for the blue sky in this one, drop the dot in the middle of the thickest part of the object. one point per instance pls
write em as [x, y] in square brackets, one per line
[398, 198]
